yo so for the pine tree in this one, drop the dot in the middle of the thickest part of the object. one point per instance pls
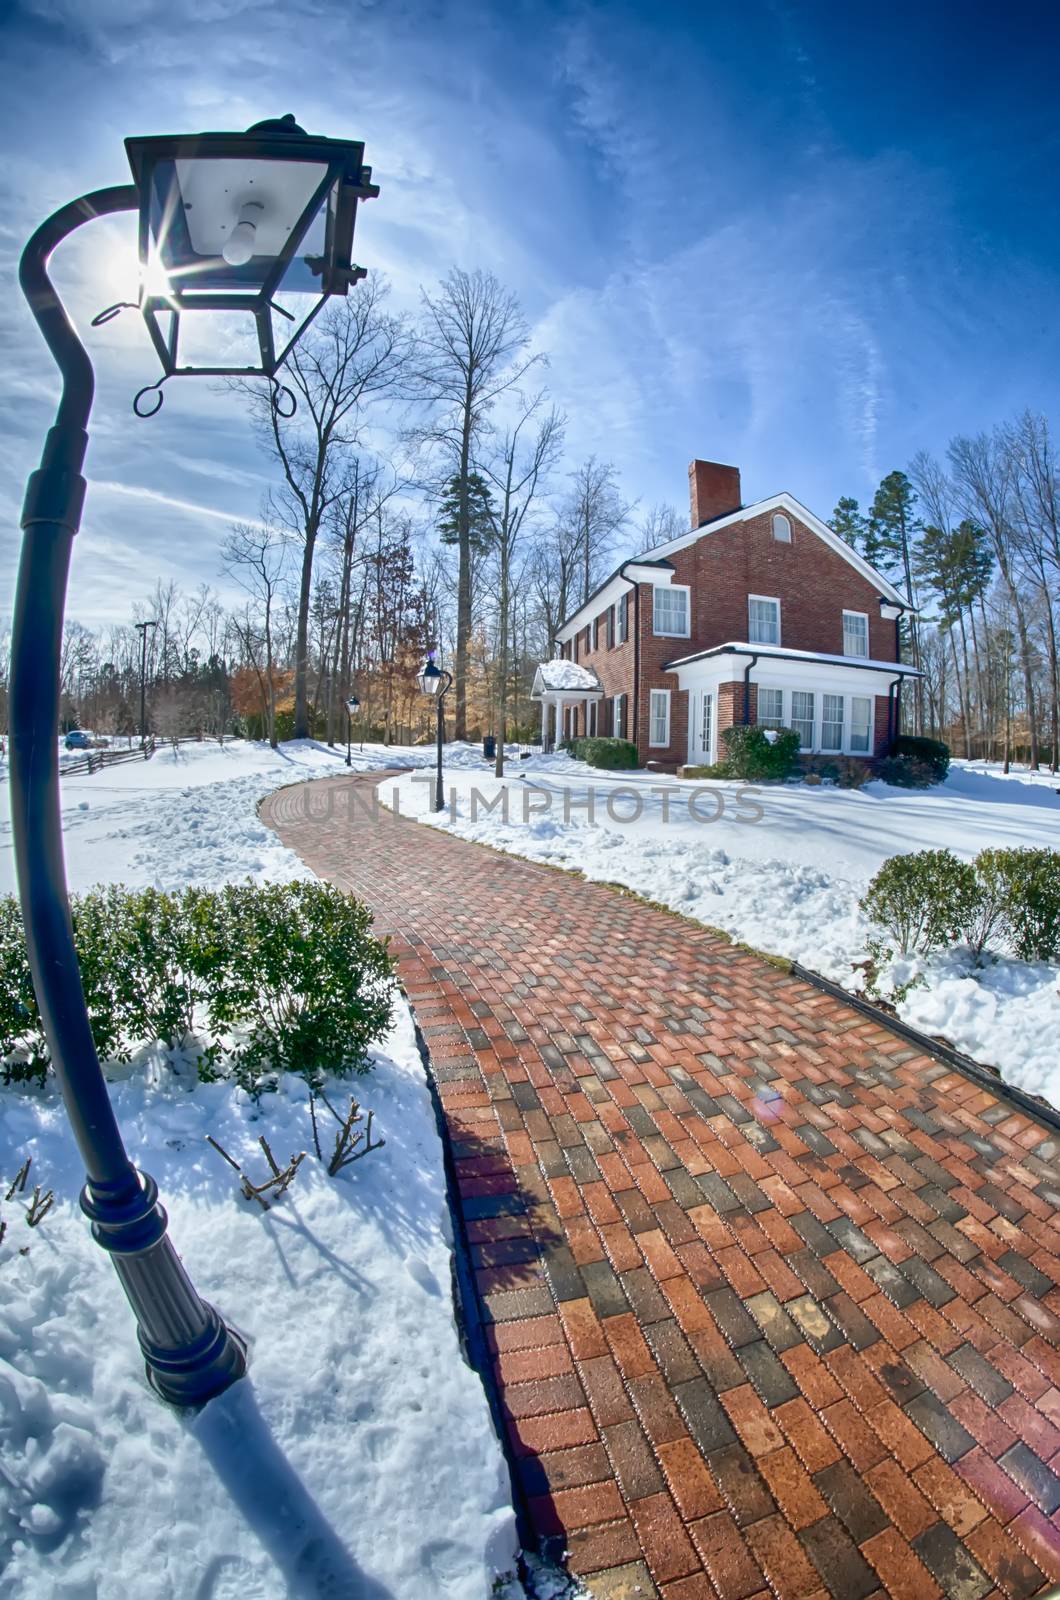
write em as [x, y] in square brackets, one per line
[848, 522]
[479, 513]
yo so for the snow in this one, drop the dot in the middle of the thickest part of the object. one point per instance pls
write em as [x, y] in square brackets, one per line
[560, 674]
[358, 1457]
[788, 880]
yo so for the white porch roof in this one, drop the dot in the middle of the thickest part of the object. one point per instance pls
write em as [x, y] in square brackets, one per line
[775, 662]
[565, 680]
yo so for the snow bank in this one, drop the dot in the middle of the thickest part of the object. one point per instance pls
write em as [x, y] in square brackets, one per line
[790, 881]
[358, 1459]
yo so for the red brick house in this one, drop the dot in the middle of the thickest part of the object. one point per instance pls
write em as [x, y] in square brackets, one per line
[759, 613]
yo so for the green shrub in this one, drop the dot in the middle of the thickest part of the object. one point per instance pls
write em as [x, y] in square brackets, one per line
[293, 971]
[933, 751]
[921, 901]
[755, 753]
[290, 970]
[611, 755]
[906, 772]
[1022, 888]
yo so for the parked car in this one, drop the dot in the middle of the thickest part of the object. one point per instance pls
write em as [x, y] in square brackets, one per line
[82, 739]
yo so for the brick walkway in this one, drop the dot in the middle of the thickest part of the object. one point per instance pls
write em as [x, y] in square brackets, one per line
[772, 1299]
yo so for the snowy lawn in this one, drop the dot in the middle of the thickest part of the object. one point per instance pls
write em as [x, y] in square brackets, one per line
[358, 1460]
[788, 880]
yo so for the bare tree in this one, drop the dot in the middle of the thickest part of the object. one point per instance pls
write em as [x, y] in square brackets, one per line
[471, 349]
[593, 514]
[661, 523]
[356, 352]
[516, 473]
[1036, 488]
[983, 478]
[254, 555]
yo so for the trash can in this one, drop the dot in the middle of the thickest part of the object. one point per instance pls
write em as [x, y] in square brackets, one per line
[489, 747]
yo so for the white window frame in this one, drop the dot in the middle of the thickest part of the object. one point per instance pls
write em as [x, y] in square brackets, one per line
[671, 588]
[792, 720]
[781, 521]
[856, 655]
[778, 722]
[658, 744]
[620, 609]
[617, 707]
[768, 599]
[827, 721]
[869, 730]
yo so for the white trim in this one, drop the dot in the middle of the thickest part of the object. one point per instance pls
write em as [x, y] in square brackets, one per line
[671, 588]
[857, 656]
[742, 647]
[628, 576]
[773, 600]
[787, 502]
[782, 538]
[618, 728]
[658, 744]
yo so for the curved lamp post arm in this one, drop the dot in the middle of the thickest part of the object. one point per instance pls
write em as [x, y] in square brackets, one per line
[189, 1352]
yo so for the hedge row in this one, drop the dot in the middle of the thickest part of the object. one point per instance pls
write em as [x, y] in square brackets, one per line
[1008, 899]
[257, 979]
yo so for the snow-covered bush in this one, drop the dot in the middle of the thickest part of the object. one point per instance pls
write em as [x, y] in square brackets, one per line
[293, 972]
[756, 753]
[610, 754]
[921, 901]
[1023, 889]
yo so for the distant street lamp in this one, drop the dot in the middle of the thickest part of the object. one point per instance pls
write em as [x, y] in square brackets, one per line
[431, 682]
[141, 628]
[231, 223]
[353, 705]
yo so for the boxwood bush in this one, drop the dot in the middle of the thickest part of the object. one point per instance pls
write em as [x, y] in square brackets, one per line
[259, 979]
[1006, 899]
[611, 754]
[933, 752]
[756, 753]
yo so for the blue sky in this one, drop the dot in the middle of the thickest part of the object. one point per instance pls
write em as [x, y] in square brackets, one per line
[808, 238]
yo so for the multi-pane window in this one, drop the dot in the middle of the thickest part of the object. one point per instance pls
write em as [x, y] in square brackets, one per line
[620, 619]
[802, 716]
[860, 723]
[659, 731]
[832, 722]
[670, 611]
[855, 633]
[770, 707]
[763, 620]
[706, 727]
[616, 716]
[781, 529]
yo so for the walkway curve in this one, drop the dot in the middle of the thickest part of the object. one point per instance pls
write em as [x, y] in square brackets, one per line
[771, 1299]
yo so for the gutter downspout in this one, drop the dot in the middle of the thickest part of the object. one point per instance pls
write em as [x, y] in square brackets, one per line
[747, 690]
[635, 702]
[892, 724]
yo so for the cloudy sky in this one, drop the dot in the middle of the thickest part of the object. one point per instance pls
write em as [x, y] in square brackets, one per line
[804, 236]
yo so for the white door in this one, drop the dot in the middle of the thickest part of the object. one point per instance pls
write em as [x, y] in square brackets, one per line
[701, 730]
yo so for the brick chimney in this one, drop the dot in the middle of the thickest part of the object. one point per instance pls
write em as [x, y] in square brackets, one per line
[713, 490]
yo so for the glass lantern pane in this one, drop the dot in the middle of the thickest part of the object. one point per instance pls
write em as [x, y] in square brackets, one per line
[197, 203]
[304, 272]
[288, 329]
[219, 339]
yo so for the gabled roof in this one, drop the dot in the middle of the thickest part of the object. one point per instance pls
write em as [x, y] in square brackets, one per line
[625, 575]
[788, 502]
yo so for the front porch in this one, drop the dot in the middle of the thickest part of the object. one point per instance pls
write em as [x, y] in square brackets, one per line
[562, 686]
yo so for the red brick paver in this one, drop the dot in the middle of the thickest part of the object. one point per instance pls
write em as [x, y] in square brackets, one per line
[772, 1298]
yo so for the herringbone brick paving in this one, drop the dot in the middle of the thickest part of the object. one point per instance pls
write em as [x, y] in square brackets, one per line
[772, 1299]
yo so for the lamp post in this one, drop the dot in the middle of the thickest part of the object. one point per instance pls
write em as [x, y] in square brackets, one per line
[436, 681]
[353, 705]
[230, 223]
[141, 628]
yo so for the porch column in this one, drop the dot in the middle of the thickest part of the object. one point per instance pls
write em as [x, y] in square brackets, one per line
[544, 726]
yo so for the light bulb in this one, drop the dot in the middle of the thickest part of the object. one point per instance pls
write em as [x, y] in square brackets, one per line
[239, 246]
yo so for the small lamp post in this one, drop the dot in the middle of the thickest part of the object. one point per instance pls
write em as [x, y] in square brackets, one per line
[434, 680]
[231, 223]
[141, 628]
[353, 705]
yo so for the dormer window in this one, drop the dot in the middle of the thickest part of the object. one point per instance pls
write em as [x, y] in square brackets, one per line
[781, 528]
